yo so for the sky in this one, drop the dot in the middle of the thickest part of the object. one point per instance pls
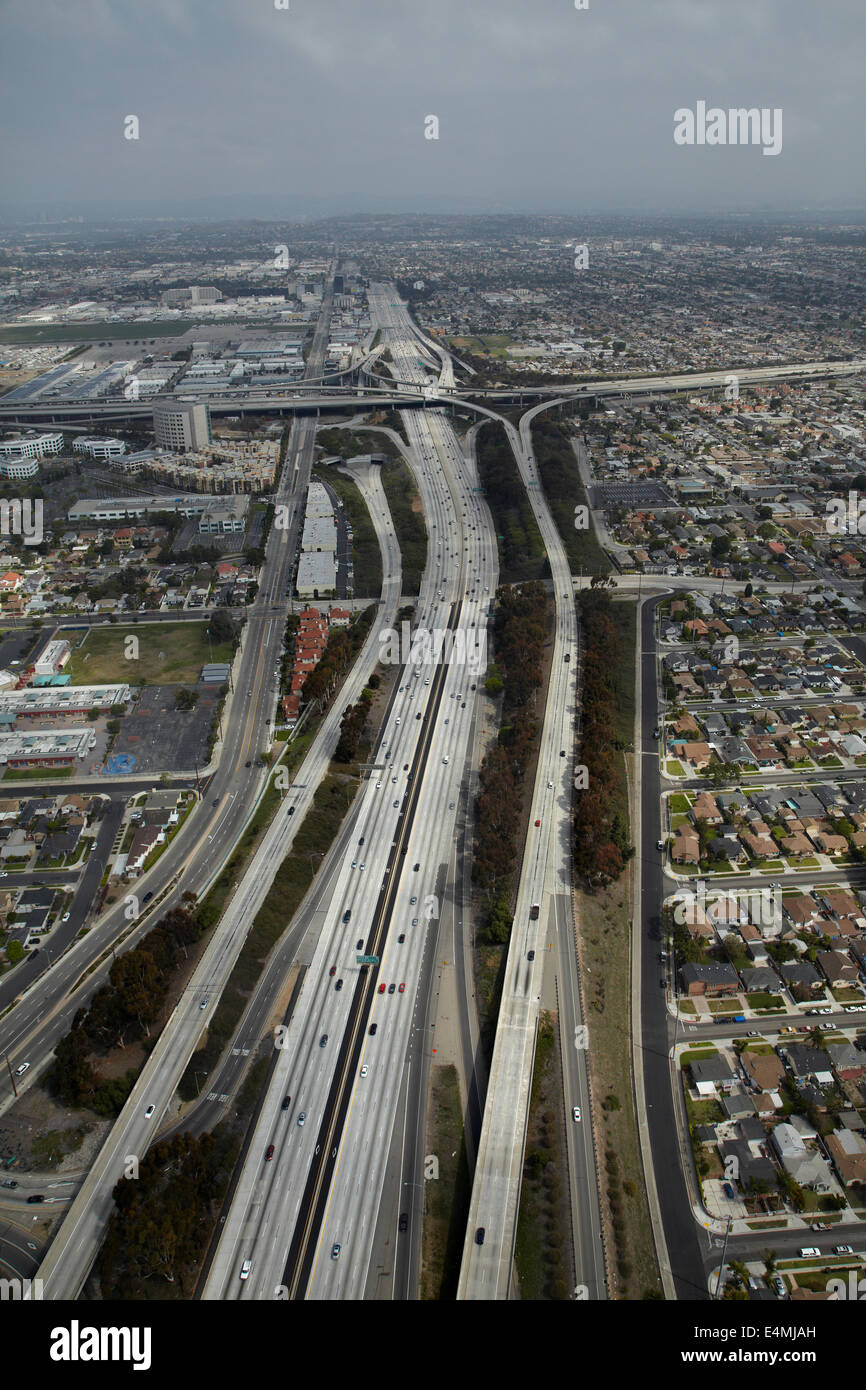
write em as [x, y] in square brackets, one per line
[321, 107]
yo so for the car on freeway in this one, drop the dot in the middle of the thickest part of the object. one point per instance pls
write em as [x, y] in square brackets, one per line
[302, 1117]
[8, 1182]
[530, 955]
[412, 901]
[204, 1003]
[347, 914]
[378, 784]
[19, 1071]
[245, 1269]
[402, 989]
[248, 763]
[373, 1029]
[450, 805]
[479, 1236]
[415, 868]
[323, 1039]
[396, 804]
[393, 779]
[338, 984]
[403, 1223]
[414, 921]
[216, 801]
[361, 867]
[149, 1111]
[332, 971]
[538, 822]
[287, 1100]
[335, 1252]
[575, 1114]
[269, 1153]
[36, 1198]
[365, 1069]
[147, 897]
[562, 752]
[361, 840]
[391, 987]
[359, 944]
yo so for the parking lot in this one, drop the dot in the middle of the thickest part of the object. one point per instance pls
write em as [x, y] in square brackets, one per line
[161, 738]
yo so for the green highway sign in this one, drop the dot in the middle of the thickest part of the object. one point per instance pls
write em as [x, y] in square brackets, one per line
[367, 960]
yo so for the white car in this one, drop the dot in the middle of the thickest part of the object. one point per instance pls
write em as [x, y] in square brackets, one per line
[575, 1114]
[245, 1269]
[19, 1071]
[149, 1111]
[364, 1069]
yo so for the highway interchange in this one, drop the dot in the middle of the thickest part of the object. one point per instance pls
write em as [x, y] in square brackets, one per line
[331, 1185]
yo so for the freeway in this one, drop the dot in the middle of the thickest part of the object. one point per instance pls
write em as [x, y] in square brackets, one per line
[324, 1184]
[545, 880]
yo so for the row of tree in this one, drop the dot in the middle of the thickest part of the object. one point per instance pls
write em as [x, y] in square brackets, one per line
[120, 1012]
[520, 634]
[352, 727]
[163, 1215]
[601, 841]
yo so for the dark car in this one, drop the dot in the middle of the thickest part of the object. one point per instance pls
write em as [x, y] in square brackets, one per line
[269, 1153]
[361, 841]
[286, 1103]
[531, 955]
[338, 984]
[479, 1236]
[401, 938]
[8, 1182]
[147, 897]
[373, 1028]
[323, 1039]
[391, 988]
[359, 944]
[415, 868]
[37, 1197]
[403, 1223]
[347, 914]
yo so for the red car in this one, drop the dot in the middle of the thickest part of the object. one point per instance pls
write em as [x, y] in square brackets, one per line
[269, 1152]
[333, 969]
[381, 989]
[538, 822]
[402, 989]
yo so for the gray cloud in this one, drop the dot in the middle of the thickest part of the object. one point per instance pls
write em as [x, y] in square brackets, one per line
[322, 106]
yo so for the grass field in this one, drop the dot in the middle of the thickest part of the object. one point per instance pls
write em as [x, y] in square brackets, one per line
[168, 654]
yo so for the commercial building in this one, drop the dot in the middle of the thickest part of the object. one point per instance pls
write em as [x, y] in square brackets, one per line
[19, 469]
[222, 517]
[31, 446]
[99, 448]
[127, 508]
[51, 748]
[182, 425]
[52, 701]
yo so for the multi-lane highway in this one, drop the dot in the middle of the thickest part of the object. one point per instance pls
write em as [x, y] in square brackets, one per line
[351, 1055]
[545, 883]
